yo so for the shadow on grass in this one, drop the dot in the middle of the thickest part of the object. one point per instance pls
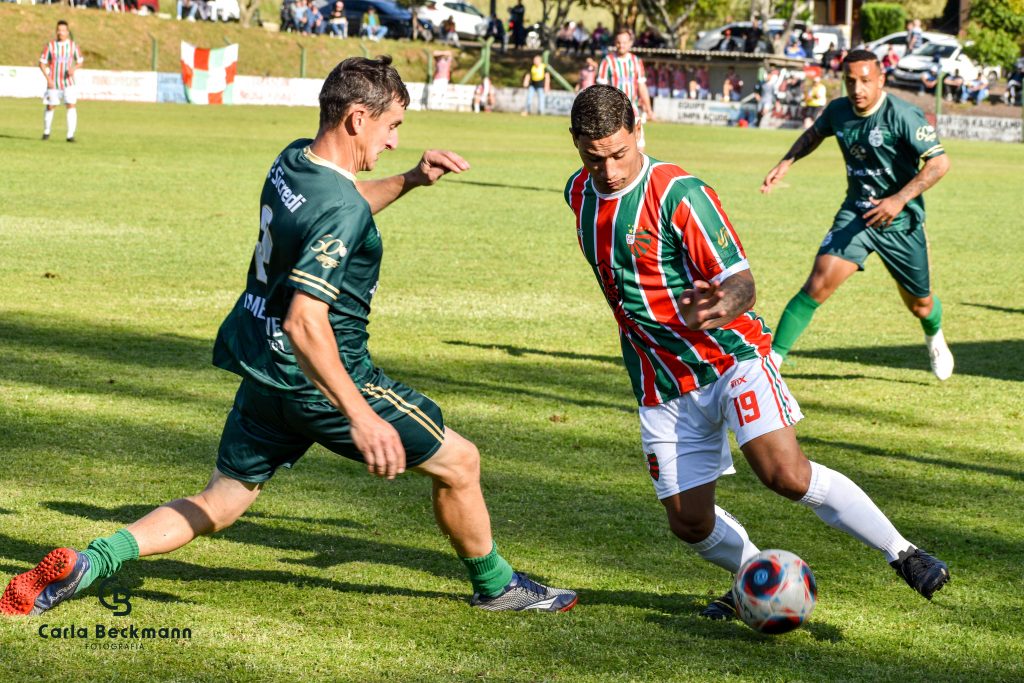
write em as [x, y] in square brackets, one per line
[997, 309]
[734, 629]
[519, 351]
[864, 449]
[327, 550]
[839, 378]
[507, 186]
[997, 359]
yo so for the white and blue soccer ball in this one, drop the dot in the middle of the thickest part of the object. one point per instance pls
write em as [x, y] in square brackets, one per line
[775, 592]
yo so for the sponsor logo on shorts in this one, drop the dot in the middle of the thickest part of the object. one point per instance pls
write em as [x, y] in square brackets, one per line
[652, 466]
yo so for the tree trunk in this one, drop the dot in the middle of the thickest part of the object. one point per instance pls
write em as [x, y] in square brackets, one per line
[246, 11]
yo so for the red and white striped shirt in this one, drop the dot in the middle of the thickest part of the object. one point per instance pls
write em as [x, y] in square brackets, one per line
[625, 73]
[59, 56]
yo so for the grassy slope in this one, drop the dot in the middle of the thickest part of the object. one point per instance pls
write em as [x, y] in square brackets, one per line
[116, 278]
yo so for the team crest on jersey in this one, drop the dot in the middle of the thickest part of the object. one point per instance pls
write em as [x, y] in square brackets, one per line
[327, 248]
[652, 466]
[639, 240]
[875, 138]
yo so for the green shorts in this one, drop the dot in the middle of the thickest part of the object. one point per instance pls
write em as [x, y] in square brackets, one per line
[265, 430]
[903, 251]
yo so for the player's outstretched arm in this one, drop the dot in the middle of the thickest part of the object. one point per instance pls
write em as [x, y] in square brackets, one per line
[804, 145]
[886, 210]
[710, 305]
[433, 164]
[316, 350]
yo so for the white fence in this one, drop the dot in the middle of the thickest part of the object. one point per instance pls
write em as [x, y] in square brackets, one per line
[149, 86]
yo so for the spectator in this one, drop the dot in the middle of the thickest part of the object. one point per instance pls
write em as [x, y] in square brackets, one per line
[517, 24]
[732, 86]
[914, 37]
[337, 22]
[679, 81]
[649, 38]
[890, 60]
[438, 92]
[372, 28]
[483, 96]
[817, 98]
[794, 49]
[807, 42]
[563, 38]
[767, 90]
[835, 67]
[599, 39]
[496, 30]
[827, 56]
[929, 79]
[448, 32]
[315, 23]
[752, 42]
[953, 87]
[184, 5]
[1013, 85]
[977, 90]
[537, 83]
[581, 38]
[588, 75]
[728, 43]
[663, 78]
[699, 85]
[793, 102]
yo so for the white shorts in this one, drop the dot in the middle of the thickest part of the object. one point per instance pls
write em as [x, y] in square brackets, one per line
[685, 440]
[52, 97]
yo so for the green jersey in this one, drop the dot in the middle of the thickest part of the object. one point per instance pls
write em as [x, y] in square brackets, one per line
[883, 150]
[317, 235]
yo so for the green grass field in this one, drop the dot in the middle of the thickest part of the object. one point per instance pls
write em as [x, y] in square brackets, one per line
[120, 255]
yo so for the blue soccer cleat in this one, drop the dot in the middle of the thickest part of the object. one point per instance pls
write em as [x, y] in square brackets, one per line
[53, 581]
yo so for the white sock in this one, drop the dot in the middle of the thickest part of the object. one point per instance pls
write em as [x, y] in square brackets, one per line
[843, 505]
[47, 121]
[72, 121]
[728, 546]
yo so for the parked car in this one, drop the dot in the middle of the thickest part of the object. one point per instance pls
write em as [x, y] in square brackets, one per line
[469, 21]
[948, 54]
[225, 10]
[397, 19]
[824, 36]
[899, 41]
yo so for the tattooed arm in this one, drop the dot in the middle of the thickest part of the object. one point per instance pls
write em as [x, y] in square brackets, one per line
[887, 209]
[804, 145]
[714, 304]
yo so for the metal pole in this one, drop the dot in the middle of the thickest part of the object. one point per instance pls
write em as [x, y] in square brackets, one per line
[153, 51]
[302, 61]
[938, 99]
[487, 55]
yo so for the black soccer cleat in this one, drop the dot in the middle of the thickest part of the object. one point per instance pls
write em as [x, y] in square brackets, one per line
[71, 139]
[46, 136]
[921, 571]
[721, 608]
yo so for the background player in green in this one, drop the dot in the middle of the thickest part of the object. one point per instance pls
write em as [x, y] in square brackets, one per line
[882, 139]
[297, 336]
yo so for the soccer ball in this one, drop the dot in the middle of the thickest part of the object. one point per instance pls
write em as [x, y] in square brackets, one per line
[775, 591]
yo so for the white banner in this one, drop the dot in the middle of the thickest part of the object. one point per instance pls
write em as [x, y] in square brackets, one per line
[992, 128]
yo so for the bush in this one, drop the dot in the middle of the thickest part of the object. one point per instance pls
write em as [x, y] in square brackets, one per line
[879, 19]
[991, 47]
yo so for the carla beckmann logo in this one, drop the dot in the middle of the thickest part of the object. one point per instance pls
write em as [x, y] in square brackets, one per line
[120, 598]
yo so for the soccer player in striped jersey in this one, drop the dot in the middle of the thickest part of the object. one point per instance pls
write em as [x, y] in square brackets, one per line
[625, 71]
[297, 337]
[675, 275]
[884, 142]
[58, 62]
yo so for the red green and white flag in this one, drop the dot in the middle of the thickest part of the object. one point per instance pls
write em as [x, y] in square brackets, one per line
[209, 74]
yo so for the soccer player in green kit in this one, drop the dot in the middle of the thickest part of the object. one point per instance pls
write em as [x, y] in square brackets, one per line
[882, 139]
[297, 336]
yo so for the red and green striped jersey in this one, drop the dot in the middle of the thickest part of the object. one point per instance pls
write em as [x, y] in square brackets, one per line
[647, 243]
[59, 56]
[625, 73]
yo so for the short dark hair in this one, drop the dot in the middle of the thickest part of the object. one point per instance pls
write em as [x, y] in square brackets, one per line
[61, 22]
[600, 111]
[357, 80]
[861, 56]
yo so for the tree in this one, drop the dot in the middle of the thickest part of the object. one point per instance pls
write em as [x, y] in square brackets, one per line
[553, 15]
[673, 17]
[247, 10]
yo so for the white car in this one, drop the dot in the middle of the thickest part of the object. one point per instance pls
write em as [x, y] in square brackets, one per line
[224, 10]
[899, 41]
[469, 21]
[947, 54]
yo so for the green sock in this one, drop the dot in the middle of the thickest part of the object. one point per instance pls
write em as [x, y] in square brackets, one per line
[932, 323]
[488, 574]
[106, 555]
[793, 322]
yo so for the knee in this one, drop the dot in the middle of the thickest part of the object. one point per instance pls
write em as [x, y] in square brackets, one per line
[691, 527]
[463, 467]
[787, 481]
[920, 308]
[219, 515]
[817, 287]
